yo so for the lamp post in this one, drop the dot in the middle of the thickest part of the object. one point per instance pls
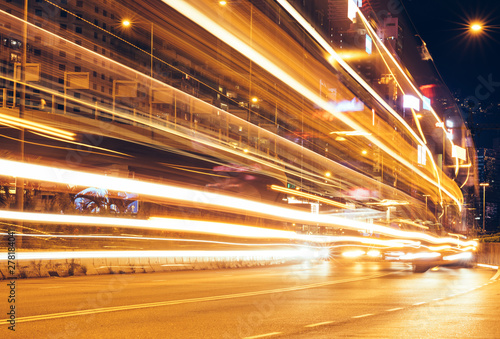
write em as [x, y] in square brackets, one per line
[426, 196]
[22, 108]
[484, 184]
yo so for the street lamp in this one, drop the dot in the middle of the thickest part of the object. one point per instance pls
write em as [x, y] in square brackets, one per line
[476, 27]
[128, 23]
[484, 184]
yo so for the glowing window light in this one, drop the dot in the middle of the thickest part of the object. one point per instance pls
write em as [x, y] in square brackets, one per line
[426, 103]
[410, 101]
[368, 44]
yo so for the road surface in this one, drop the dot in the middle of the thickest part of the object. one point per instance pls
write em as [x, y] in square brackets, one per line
[310, 300]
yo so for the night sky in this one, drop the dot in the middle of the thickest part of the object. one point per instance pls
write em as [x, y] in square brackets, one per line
[461, 58]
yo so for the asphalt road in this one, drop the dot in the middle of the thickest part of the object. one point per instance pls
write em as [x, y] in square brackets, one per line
[311, 300]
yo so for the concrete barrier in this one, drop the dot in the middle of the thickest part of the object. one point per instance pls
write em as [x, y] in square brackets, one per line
[488, 253]
[128, 265]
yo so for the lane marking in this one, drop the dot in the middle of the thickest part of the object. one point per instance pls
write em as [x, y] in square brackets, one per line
[263, 335]
[362, 316]
[319, 324]
[187, 301]
[436, 299]
[394, 309]
[420, 303]
[496, 275]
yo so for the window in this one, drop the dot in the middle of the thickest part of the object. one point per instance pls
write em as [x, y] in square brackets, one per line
[63, 26]
[64, 2]
[104, 38]
[37, 52]
[96, 9]
[78, 69]
[78, 29]
[94, 86]
[103, 77]
[78, 42]
[64, 14]
[96, 36]
[104, 25]
[62, 54]
[104, 13]
[38, 12]
[94, 73]
[77, 95]
[62, 67]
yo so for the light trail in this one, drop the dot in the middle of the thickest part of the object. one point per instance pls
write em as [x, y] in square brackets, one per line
[218, 31]
[311, 196]
[35, 126]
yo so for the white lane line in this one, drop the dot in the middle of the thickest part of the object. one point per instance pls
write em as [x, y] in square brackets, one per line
[319, 324]
[394, 309]
[420, 303]
[436, 299]
[362, 316]
[189, 301]
[262, 335]
[452, 295]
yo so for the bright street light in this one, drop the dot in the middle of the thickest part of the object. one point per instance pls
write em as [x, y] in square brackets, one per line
[476, 27]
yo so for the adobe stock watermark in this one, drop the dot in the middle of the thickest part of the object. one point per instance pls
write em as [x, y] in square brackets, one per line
[104, 297]
[264, 309]
[483, 91]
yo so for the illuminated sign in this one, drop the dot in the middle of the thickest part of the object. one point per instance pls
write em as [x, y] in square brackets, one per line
[426, 103]
[459, 153]
[352, 8]
[422, 158]
[353, 105]
[409, 101]
[368, 44]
